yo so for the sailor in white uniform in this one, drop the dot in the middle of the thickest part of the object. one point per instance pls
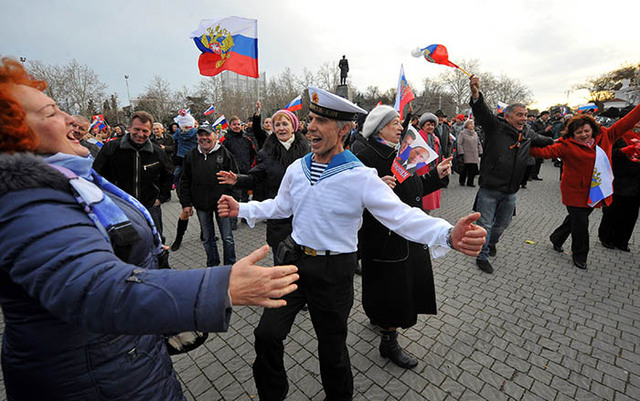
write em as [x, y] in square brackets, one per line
[326, 192]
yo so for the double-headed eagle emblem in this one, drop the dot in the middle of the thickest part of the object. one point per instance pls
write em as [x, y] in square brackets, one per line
[219, 41]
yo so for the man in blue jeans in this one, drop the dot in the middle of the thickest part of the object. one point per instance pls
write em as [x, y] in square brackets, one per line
[503, 164]
[200, 189]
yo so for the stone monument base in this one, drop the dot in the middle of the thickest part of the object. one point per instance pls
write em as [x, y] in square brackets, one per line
[343, 91]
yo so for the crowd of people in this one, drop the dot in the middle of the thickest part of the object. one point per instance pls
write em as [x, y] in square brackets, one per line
[92, 278]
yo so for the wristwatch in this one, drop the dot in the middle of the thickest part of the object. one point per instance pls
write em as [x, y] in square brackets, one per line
[449, 243]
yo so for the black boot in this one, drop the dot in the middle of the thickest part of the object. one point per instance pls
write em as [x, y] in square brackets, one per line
[389, 348]
[182, 228]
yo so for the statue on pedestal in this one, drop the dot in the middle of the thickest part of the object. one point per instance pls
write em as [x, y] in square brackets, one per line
[344, 69]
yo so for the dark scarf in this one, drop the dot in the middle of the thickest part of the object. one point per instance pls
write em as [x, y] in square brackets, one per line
[273, 148]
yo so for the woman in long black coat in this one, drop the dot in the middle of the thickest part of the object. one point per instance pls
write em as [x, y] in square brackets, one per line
[280, 149]
[397, 279]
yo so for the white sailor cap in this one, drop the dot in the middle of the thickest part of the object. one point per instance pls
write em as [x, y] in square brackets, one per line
[332, 106]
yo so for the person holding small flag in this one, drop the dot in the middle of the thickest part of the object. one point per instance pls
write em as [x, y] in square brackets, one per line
[587, 177]
[504, 159]
[397, 279]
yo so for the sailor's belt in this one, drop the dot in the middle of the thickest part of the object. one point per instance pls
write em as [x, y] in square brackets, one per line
[313, 252]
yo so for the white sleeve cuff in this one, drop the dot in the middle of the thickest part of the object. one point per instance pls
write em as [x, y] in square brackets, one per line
[243, 212]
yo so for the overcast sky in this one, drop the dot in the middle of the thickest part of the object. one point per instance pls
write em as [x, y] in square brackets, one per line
[548, 45]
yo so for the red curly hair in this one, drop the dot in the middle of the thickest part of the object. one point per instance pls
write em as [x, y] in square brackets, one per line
[15, 134]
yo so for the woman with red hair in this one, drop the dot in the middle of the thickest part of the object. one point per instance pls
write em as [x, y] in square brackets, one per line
[577, 148]
[84, 303]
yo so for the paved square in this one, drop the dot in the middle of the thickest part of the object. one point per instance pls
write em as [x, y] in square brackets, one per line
[536, 329]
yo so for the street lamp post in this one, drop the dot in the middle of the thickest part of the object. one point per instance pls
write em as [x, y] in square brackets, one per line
[126, 79]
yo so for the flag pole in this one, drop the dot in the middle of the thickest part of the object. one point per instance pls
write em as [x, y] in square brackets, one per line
[469, 75]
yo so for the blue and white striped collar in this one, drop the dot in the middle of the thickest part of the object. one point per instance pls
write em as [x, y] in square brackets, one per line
[341, 162]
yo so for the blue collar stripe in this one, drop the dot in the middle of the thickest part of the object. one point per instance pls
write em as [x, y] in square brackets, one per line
[340, 162]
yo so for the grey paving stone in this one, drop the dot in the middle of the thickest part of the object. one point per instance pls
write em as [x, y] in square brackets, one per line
[432, 392]
[563, 386]
[471, 381]
[544, 391]
[452, 387]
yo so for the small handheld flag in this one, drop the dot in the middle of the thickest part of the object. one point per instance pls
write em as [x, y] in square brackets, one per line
[98, 122]
[501, 107]
[588, 106]
[295, 104]
[404, 93]
[210, 110]
[220, 123]
[436, 54]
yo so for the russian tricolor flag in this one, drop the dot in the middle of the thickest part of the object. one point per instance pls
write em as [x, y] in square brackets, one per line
[501, 107]
[589, 106]
[98, 121]
[227, 44]
[295, 104]
[210, 110]
[404, 94]
[221, 123]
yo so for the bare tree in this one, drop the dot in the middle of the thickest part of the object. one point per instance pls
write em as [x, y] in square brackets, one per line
[281, 90]
[74, 86]
[601, 88]
[113, 114]
[433, 97]
[52, 74]
[328, 76]
[158, 99]
[307, 79]
[456, 83]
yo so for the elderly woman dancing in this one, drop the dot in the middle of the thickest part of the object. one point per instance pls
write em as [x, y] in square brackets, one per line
[397, 279]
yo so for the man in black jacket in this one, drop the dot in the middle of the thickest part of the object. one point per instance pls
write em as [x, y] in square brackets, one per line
[244, 151]
[199, 188]
[443, 130]
[165, 141]
[138, 166]
[504, 160]
[541, 126]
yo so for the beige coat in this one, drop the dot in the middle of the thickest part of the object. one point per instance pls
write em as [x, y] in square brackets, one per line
[469, 145]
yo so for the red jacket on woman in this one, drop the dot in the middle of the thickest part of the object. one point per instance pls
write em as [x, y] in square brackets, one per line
[578, 158]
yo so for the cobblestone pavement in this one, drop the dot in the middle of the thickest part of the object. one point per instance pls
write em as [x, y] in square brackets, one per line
[536, 329]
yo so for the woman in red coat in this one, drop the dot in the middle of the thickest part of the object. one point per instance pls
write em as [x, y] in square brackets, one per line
[577, 149]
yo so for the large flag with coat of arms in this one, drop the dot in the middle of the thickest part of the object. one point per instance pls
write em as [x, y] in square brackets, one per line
[227, 44]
